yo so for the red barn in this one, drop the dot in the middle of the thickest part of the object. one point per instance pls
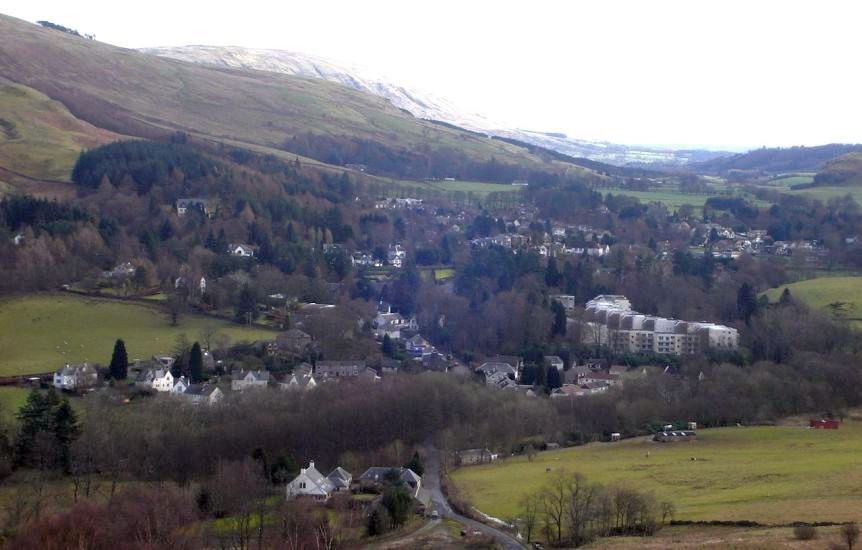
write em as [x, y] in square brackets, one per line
[824, 424]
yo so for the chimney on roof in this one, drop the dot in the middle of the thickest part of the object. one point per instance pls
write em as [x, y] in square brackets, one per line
[310, 464]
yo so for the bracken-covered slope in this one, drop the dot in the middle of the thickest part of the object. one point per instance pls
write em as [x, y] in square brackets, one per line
[422, 104]
[132, 93]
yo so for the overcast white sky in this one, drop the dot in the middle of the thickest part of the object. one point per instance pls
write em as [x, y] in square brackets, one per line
[707, 73]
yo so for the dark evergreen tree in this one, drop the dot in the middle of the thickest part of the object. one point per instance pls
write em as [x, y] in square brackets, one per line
[221, 243]
[119, 366]
[415, 463]
[558, 328]
[388, 347]
[196, 363]
[166, 230]
[66, 431]
[552, 273]
[553, 379]
[786, 298]
[746, 302]
[528, 375]
[246, 309]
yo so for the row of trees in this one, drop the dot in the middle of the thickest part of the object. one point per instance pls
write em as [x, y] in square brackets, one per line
[573, 511]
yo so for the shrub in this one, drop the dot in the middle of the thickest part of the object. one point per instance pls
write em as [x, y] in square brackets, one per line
[805, 532]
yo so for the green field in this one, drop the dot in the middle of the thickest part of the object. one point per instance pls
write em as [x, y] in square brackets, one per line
[821, 292]
[39, 333]
[827, 192]
[773, 475]
[787, 180]
[671, 197]
[11, 399]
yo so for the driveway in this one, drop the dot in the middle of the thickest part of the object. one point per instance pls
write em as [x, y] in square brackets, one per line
[431, 482]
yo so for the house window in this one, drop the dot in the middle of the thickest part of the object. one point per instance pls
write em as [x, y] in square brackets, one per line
[302, 485]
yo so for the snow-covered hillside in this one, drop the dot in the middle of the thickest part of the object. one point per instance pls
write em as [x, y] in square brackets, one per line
[420, 104]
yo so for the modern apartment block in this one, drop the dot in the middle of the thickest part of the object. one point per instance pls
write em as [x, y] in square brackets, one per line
[610, 321]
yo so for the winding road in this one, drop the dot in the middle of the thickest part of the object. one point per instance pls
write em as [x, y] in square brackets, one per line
[431, 482]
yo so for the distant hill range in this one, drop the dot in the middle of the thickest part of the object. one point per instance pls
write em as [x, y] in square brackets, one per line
[777, 160]
[424, 105]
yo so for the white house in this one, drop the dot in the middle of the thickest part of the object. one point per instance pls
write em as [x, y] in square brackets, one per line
[241, 250]
[158, 379]
[298, 381]
[76, 377]
[311, 483]
[554, 361]
[250, 379]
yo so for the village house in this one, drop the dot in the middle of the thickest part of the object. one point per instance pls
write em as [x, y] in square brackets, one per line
[575, 375]
[206, 394]
[298, 381]
[365, 259]
[435, 362]
[181, 384]
[293, 341]
[186, 204]
[312, 484]
[392, 324]
[76, 377]
[250, 379]
[566, 300]
[475, 456]
[241, 250]
[396, 256]
[493, 367]
[555, 362]
[418, 346]
[601, 377]
[377, 476]
[339, 369]
[157, 379]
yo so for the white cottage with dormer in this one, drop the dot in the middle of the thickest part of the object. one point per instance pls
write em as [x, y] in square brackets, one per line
[311, 483]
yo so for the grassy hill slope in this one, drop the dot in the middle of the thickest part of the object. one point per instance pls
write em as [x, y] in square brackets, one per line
[773, 475]
[844, 294]
[136, 94]
[39, 137]
[38, 333]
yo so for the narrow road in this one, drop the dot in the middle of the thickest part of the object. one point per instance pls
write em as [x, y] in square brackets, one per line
[431, 482]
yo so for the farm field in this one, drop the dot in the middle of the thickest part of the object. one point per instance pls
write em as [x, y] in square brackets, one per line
[827, 192]
[477, 188]
[672, 198]
[38, 333]
[11, 399]
[819, 293]
[772, 475]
